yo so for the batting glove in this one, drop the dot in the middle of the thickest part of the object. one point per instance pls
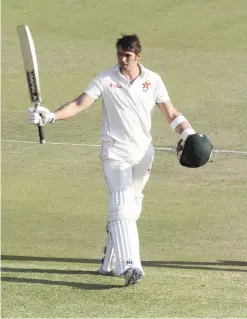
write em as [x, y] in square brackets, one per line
[40, 115]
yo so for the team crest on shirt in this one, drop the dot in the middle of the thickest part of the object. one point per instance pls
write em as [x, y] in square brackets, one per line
[145, 86]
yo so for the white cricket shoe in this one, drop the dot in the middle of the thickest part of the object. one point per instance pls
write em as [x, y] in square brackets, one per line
[132, 276]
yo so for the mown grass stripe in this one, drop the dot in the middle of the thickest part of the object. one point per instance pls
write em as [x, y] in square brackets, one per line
[165, 149]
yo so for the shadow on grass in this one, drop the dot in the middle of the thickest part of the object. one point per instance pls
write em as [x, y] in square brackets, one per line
[65, 260]
[82, 286]
[49, 271]
[219, 265]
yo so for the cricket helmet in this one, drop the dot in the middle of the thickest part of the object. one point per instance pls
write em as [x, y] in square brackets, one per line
[195, 151]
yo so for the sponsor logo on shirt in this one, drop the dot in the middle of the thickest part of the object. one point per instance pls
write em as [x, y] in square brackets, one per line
[145, 86]
[115, 86]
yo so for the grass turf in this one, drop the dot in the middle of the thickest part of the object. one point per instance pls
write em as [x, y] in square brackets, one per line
[193, 227]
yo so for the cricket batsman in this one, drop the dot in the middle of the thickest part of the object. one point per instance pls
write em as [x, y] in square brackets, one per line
[129, 94]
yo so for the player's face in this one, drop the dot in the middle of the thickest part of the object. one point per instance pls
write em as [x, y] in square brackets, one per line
[127, 60]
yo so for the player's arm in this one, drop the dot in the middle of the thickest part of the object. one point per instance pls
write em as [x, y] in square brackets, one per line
[74, 107]
[66, 111]
[176, 120]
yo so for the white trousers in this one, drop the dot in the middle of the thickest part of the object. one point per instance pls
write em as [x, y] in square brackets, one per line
[125, 183]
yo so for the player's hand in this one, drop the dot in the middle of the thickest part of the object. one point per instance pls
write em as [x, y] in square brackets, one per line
[181, 143]
[40, 115]
[179, 148]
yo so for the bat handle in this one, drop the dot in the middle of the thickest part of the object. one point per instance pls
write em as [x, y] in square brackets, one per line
[41, 130]
[41, 134]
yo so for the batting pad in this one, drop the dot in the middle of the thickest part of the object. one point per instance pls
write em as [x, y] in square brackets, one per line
[109, 255]
[124, 235]
[122, 204]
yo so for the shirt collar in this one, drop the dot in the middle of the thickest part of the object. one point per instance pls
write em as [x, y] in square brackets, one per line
[143, 69]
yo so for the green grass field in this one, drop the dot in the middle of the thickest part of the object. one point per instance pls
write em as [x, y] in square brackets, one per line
[193, 228]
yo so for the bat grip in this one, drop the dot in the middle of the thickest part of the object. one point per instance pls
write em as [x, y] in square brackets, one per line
[40, 128]
[41, 134]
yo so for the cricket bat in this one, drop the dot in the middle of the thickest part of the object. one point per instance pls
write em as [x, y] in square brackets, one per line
[31, 69]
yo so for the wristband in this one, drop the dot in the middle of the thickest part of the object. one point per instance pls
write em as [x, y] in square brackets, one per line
[178, 120]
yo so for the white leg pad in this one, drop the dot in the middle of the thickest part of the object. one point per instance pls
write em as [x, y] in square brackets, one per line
[122, 214]
[125, 239]
[122, 204]
[109, 259]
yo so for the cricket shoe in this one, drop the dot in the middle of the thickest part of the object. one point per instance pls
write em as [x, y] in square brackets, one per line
[132, 276]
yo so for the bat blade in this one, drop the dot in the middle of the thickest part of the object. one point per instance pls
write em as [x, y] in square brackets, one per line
[31, 69]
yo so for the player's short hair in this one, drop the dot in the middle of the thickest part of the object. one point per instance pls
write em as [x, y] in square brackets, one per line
[129, 43]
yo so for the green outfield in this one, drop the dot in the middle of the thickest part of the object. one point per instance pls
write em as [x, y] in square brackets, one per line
[193, 229]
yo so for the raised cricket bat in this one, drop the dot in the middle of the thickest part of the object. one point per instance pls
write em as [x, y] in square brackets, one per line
[31, 68]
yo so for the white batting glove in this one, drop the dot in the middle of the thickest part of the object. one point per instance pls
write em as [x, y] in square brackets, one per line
[40, 115]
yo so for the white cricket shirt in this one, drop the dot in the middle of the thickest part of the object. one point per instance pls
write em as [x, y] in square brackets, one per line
[127, 110]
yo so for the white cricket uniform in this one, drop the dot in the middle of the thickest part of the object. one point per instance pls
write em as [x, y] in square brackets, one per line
[127, 109]
[127, 155]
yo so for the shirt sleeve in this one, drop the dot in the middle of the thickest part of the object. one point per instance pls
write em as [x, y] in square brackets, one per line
[161, 94]
[94, 89]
